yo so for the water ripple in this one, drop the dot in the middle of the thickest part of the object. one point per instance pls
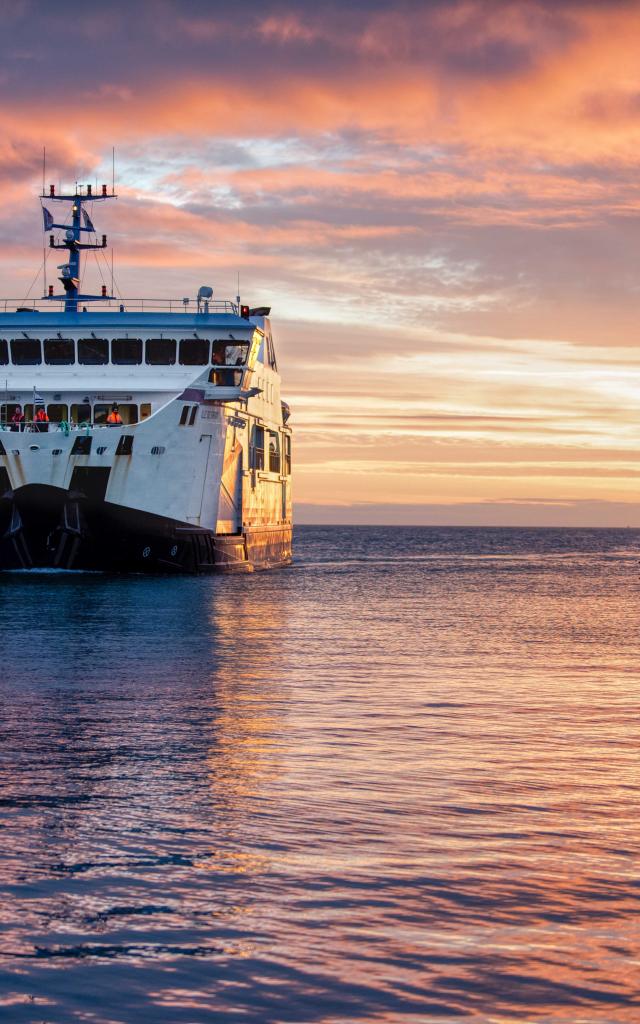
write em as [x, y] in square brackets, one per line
[397, 782]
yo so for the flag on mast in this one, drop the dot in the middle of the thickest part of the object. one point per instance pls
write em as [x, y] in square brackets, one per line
[87, 220]
[48, 219]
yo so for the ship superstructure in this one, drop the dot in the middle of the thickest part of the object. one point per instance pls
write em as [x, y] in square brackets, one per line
[138, 435]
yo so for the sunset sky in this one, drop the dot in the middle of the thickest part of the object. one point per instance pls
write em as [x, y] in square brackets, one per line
[440, 200]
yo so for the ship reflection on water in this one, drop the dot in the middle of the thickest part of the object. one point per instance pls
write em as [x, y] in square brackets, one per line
[363, 788]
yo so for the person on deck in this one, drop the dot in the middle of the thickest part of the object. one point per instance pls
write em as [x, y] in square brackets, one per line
[17, 420]
[41, 420]
[114, 419]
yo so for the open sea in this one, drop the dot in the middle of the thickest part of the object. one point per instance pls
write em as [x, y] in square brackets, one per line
[398, 781]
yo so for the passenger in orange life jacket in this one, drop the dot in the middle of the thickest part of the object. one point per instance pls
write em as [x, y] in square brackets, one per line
[41, 420]
[114, 419]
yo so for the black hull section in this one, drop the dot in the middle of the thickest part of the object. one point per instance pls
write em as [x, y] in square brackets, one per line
[44, 527]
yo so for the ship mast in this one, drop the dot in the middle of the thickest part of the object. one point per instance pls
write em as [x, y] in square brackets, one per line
[71, 242]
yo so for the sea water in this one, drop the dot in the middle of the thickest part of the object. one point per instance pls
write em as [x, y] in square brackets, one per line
[397, 781]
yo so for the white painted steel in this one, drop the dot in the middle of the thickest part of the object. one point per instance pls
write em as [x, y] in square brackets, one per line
[200, 473]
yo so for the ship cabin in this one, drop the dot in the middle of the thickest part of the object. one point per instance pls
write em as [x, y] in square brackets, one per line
[77, 365]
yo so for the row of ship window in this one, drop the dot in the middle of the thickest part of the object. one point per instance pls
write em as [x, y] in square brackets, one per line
[270, 458]
[82, 412]
[264, 451]
[258, 455]
[122, 352]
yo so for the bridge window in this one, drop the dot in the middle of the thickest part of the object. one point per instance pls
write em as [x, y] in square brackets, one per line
[287, 454]
[4, 353]
[126, 351]
[93, 351]
[226, 378]
[26, 352]
[271, 353]
[194, 352]
[229, 353]
[274, 452]
[256, 453]
[59, 351]
[161, 351]
[128, 413]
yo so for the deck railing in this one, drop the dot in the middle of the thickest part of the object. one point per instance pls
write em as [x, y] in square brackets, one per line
[122, 306]
[64, 427]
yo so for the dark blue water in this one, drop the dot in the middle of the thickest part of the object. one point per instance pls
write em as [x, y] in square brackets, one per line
[398, 781]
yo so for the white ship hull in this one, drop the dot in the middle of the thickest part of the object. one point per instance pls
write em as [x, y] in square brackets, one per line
[155, 496]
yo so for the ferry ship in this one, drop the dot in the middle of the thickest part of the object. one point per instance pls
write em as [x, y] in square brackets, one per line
[138, 436]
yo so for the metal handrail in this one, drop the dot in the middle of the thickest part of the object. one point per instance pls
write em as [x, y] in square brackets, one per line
[129, 305]
[53, 426]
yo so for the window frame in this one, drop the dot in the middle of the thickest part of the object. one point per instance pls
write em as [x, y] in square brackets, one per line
[24, 342]
[193, 341]
[271, 353]
[226, 376]
[92, 362]
[74, 411]
[163, 341]
[127, 362]
[101, 409]
[220, 347]
[256, 452]
[7, 410]
[274, 455]
[58, 405]
[59, 341]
